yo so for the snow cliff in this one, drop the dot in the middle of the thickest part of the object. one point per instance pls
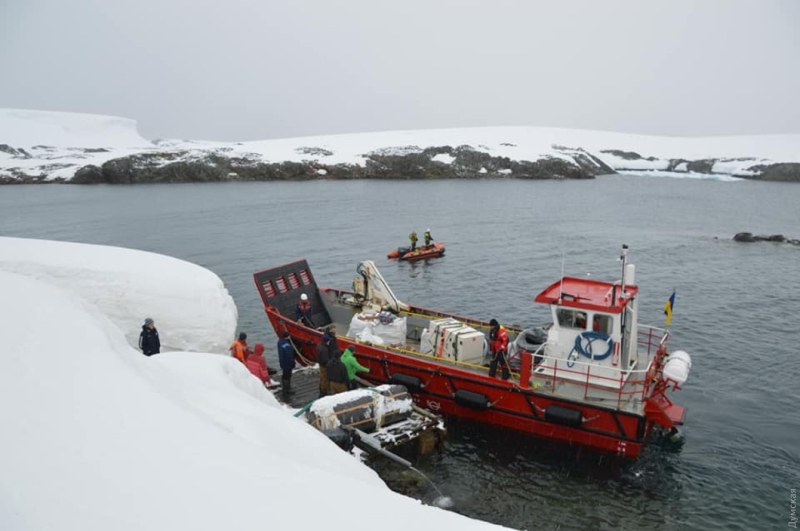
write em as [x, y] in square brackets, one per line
[97, 436]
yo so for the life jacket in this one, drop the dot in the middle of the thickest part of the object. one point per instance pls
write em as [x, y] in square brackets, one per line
[498, 340]
[239, 350]
[304, 306]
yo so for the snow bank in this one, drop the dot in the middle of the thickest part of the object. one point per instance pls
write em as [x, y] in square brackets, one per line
[22, 128]
[97, 436]
[190, 305]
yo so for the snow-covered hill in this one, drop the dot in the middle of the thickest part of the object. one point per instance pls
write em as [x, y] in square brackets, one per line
[44, 146]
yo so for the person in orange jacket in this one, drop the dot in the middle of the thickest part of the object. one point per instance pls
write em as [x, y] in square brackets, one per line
[498, 346]
[239, 348]
[258, 365]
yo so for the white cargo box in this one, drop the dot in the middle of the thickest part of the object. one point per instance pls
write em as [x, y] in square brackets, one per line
[466, 345]
[437, 324]
[444, 331]
[431, 338]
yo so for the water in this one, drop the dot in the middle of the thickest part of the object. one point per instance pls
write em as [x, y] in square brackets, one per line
[441, 501]
[735, 313]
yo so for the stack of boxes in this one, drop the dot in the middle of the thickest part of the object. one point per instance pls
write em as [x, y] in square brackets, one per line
[453, 340]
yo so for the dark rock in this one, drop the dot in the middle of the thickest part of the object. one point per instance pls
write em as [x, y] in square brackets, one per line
[627, 155]
[748, 237]
[674, 163]
[701, 166]
[16, 153]
[784, 172]
[90, 174]
[314, 151]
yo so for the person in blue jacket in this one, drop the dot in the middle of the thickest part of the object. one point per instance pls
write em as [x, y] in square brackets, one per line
[286, 359]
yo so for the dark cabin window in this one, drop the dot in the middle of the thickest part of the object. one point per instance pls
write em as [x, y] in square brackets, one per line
[603, 323]
[571, 319]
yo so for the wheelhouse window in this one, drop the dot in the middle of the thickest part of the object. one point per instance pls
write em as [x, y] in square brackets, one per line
[603, 323]
[571, 318]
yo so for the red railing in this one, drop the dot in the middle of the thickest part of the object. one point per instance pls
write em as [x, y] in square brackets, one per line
[627, 383]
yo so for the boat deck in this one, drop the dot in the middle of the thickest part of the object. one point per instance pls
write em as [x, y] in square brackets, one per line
[305, 384]
[624, 398]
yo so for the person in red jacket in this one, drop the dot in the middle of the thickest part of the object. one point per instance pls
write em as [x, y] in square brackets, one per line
[498, 346]
[258, 365]
[239, 348]
[304, 310]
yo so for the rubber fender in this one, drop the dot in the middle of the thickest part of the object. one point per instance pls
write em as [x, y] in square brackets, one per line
[412, 383]
[471, 399]
[563, 415]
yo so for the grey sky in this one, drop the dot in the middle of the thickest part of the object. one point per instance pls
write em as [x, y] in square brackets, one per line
[243, 70]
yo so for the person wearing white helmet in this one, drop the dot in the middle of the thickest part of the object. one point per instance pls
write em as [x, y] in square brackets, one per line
[304, 310]
[428, 237]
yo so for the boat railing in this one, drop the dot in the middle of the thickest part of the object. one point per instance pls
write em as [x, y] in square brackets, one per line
[624, 383]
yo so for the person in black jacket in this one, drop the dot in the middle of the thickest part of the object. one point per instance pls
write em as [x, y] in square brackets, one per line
[337, 373]
[148, 339]
[324, 355]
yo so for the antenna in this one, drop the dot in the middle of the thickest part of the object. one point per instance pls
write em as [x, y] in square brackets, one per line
[561, 286]
[623, 257]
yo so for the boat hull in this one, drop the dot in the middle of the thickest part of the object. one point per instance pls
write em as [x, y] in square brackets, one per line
[434, 250]
[463, 393]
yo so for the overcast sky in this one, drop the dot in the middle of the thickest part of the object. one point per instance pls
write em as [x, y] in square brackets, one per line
[245, 70]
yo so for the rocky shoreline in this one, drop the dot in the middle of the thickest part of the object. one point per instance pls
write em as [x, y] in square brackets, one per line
[462, 162]
[779, 171]
[184, 166]
[46, 147]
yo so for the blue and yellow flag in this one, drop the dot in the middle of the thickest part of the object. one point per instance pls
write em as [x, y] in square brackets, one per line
[668, 307]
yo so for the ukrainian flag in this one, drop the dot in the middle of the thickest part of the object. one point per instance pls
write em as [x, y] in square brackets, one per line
[668, 306]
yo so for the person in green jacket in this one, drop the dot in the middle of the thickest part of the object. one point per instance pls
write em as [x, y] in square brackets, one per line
[352, 365]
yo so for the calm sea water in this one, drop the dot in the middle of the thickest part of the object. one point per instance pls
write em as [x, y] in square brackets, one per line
[736, 313]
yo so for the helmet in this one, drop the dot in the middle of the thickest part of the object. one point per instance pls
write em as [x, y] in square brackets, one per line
[303, 297]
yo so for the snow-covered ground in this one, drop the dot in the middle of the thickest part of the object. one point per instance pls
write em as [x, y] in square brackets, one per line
[58, 144]
[96, 436]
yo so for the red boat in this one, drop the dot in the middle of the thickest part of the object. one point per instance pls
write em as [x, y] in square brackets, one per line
[596, 377]
[434, 250]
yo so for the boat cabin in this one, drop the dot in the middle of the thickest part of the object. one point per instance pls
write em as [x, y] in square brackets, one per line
[594, 326]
